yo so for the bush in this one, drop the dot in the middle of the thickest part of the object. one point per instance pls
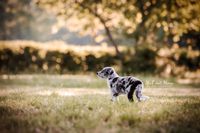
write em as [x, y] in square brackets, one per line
[94, 64]
[142, 61]
[71, 62]
[191, 63]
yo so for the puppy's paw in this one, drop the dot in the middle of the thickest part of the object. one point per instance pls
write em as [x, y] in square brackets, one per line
[144, 98]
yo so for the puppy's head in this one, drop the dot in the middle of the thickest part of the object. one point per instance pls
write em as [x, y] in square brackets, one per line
[106, 72]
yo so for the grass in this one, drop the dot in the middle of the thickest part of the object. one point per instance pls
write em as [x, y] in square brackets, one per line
[171, 107]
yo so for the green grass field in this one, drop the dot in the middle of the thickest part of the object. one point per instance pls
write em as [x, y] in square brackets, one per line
[81, 103]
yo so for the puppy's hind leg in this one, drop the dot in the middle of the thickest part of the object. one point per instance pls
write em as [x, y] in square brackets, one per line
[138, 93]
[130, 94]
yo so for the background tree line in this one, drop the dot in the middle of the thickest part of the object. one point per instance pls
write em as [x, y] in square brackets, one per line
[143, 59]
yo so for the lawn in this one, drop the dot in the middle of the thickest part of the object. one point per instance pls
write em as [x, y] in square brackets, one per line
[81, 103]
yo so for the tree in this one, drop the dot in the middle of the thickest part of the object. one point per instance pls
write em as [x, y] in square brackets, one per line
[103, 22]
[174, 17]
[84, 9]
[20, 19]
[14, 17]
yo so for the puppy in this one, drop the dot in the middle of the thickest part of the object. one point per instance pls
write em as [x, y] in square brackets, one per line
[122, 85]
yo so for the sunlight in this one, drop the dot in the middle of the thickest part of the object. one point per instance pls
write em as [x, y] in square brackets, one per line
[72, 92]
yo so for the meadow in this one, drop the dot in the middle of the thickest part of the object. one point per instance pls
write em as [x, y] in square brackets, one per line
[81, 103]
[50, 51]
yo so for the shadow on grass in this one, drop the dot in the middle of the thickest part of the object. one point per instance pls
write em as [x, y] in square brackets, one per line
[11, 120]
[185, 120]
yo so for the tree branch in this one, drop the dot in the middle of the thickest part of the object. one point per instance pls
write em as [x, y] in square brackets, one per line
[107, 30]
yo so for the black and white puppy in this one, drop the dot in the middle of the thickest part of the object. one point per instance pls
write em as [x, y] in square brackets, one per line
[122, 85]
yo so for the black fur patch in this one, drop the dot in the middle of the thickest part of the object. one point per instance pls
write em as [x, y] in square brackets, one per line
[132, 89]
[111, 72]
[135, 83]
[111, 85]
[116, 94]
[130, 83]
[115, 79]
[107, 73]
[130, 94]
[120, 88]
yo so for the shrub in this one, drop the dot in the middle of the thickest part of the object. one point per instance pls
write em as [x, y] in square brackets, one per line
[91, 63]
[191, 63]
[142, 61]
[71, 62]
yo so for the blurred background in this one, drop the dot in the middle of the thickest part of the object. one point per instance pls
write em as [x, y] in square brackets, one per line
[156, 37]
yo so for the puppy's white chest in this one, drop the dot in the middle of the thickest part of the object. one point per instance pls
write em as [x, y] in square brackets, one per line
[108, 84]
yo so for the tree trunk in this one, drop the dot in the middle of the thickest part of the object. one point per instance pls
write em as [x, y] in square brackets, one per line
[109, 35]
[107, 30]
[170, 35]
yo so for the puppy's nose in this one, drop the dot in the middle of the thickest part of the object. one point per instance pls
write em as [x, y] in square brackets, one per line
[97, 73]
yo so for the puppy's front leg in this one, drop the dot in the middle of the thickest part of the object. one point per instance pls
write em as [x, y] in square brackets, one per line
[114, 97]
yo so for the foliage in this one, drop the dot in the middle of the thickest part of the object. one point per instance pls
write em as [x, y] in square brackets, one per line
[20, 19]
[165, 21]
[142, 61]
[191, 63]
[95, 63]
[135, 18]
